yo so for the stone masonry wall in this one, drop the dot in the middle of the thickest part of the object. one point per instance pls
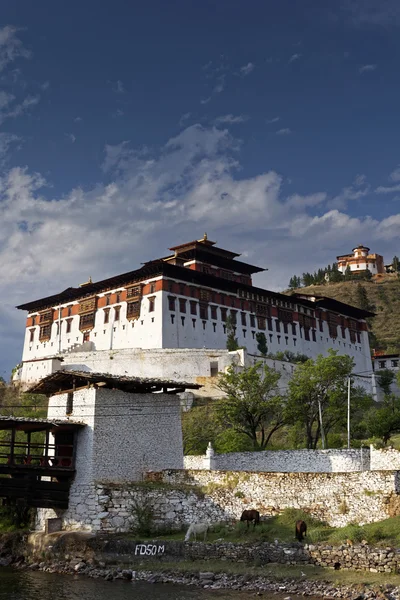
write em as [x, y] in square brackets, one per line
[385, 459]
[291, 461]
[179, 497]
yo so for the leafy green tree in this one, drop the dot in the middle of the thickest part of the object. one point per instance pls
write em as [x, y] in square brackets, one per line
[231, 340]
[385, 379]
[396, 264]
[252, 406]
[323, 380]
[262, 343]
[199, 426]
[384, 421]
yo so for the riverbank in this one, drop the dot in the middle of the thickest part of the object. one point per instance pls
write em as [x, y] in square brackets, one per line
[261, 568]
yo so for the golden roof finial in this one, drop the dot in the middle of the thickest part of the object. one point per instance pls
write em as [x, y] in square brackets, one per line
[205, 237]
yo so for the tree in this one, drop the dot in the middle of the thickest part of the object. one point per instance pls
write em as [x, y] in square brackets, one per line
[362, 297]
[396, 264]
[383, 422]
[231, 340]
[323, 381]
[262, 343]
[347, 274]
[253, 405]
[385, 379]
[199, 426]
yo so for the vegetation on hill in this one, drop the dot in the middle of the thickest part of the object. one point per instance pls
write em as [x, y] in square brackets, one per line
[380, 295]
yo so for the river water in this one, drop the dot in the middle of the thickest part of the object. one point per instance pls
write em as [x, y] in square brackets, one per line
[36, 585]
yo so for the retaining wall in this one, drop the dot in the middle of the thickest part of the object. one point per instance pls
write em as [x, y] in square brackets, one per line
[179, 497]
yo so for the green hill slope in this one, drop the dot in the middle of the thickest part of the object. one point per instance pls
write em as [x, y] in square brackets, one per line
[384, 299]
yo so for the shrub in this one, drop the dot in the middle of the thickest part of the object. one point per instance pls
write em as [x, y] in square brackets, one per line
[143, 515]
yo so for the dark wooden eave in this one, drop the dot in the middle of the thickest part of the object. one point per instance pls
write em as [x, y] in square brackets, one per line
[334, 306]
[27, 424]
[67, 380]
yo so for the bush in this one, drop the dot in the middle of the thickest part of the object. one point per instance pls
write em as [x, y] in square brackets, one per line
[143, 514]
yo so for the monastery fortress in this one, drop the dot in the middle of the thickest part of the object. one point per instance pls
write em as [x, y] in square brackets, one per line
[169, 319]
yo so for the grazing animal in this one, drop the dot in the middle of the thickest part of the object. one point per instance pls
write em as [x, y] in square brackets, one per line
[301, 530]
[249, 516]
[197, 528]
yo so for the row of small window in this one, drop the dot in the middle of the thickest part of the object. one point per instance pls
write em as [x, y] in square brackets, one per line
[394, 363]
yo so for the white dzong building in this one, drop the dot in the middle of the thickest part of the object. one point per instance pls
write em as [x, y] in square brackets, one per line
[169, 319]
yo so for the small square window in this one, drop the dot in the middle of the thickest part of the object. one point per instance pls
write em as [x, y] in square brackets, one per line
[171, 303]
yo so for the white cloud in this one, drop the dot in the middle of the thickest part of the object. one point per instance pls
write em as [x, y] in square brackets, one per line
[185, 117]
[395, 174]
[294, 57]
[153, 200]
[284, 131]
[118, 87]
[71, 137]
[377, 13]
[11, 47]
[9, 111]
[247, 69]
[299, 201]
[273, 120]
[367, 68]
[45, 86]
[205, 100]
[220, 85]
[231, 119]
[6, 140]
[78, 120]
[118, 113]
[390, 189]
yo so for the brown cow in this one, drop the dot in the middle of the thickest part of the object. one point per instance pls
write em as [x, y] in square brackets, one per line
[301, 530]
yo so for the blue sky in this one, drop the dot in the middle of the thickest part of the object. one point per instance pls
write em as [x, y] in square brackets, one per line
[129, 127]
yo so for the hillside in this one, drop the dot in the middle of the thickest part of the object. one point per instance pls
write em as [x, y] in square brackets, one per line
[383, 295]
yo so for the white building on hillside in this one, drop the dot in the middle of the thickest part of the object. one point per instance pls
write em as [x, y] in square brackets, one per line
[181, 304]
[361, 260]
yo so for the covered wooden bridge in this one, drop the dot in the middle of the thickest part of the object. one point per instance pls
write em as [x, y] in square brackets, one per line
[37, 470]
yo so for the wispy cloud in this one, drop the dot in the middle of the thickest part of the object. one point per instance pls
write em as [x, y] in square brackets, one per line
[284, 131]
[118, 87]
[395, 175]
[78, 120]
[220, 85]
[6, 140]
[247, 69]
[71, 137]
[231, 119]
[21, 108]
[274, 120]
[294, 57]
[378, 13]
[184, 118]
[205, 100]
[45, 85]
[390, 189]
[366, 68]
[118, 113]
[11, 46]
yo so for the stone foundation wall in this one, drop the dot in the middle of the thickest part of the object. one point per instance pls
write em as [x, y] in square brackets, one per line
[178, 498]
[385, 459]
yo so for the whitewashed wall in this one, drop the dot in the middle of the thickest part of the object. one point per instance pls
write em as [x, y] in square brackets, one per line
[286, 461]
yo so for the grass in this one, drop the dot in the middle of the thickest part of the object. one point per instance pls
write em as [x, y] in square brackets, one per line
[281, 527]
